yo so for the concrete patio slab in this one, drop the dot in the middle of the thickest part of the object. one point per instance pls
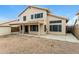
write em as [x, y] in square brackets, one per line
[68, 37]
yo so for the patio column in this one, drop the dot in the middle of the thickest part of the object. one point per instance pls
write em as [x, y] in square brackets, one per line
[38, 29]
[23, 29]
[19, 28]
[43, 28]
[29, 28]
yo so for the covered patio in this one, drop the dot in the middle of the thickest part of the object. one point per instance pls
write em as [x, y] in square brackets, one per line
[31, 27]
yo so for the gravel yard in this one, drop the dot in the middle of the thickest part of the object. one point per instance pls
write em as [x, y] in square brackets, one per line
[27, 44]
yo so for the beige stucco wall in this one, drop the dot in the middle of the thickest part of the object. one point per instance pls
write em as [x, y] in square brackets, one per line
[5, 30]
[31, 11]
[52, 18]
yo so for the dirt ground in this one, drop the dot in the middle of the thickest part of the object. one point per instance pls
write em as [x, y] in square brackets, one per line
[15, 44]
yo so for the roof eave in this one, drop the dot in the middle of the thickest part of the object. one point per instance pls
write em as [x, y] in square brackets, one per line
[33, 7]
[57, 16]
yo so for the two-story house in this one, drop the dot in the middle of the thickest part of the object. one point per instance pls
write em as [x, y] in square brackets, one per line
[35, 20]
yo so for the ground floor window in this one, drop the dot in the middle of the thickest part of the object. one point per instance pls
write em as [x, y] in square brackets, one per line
[56, 28]
[33, 27]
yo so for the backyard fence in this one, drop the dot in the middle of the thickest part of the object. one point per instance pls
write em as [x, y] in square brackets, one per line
[76, 30]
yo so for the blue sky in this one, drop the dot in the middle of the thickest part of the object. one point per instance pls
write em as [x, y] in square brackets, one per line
[10, 12]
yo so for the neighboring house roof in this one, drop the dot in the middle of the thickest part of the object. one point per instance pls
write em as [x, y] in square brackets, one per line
[33, 7]
[77, 13]
[6, 24]
[75, 21]
[61, 17]
[76, 18]
[72, 21]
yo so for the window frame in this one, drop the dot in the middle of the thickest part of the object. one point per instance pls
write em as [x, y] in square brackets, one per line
[37, 16]
[57, 24]
[34, 29]
[41, 14]
[24, 18]
[57, 21]
[58, 28]
[32, 16]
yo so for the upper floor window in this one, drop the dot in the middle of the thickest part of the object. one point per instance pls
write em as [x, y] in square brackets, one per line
[59, 21]
[39, 15]
[24, 18]
[18, 19]
[31, 16]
